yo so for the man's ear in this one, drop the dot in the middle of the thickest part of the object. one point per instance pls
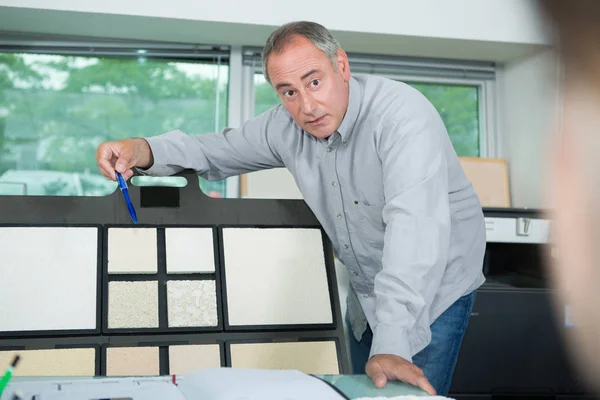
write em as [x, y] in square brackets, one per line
[343, 65]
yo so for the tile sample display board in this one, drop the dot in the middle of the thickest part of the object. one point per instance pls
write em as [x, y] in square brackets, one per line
[146, 300]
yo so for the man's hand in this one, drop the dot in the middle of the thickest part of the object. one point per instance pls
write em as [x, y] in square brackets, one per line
[122, 155]
[384, 367]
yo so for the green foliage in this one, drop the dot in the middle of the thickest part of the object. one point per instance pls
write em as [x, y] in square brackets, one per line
[458, 107]
[56, 110]
[265, 96]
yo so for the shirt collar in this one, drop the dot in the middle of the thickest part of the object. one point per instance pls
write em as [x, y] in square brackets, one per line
[354, 103]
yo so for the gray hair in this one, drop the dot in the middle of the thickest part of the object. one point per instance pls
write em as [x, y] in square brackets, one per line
[316, 33]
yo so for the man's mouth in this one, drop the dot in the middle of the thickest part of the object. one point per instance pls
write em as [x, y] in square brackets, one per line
[317, 121]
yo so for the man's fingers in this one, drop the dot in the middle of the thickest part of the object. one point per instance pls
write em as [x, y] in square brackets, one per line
[383, 367]
[116, 156]
[379, 380]
[414, 376]
[105, 158]
[124, 163]
[424, 384]
[127, 174]
[375, 371]
[106, 169]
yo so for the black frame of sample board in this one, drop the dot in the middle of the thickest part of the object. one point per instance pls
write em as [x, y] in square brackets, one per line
[291, 339]
[193, 209]
[99, 256]
[162, 277]
[65, 343]
[329, 271]
[162, 343]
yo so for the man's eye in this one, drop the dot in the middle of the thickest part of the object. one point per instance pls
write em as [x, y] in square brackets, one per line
[288, 93]
[315, 82]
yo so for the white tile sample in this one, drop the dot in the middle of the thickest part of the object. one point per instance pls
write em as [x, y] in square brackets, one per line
[132, 251]
[52, 362]
[308, 357]
[133, 304]
[187, 358]
[192, 303]
[49, 278]
[189, 250]
[275, 276]
[132, 361]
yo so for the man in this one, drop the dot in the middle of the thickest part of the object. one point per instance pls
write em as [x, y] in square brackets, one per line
[375, 164]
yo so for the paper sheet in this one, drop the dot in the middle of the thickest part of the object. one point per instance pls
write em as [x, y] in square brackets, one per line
[156, 388]
[251, 384]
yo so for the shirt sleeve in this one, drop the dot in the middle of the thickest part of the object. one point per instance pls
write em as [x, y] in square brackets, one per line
[417, 233]
[216, 156]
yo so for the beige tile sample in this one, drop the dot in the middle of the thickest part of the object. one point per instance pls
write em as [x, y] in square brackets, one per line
[308, 357]
[187, 358]
[132, 251]
[275, 276]
[132, 361]
[53, 362]
[189, 250]
[49, 277]
[192, 303]
[133, 304]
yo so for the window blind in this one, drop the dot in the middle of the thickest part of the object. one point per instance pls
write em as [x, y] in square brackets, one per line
[396, 65]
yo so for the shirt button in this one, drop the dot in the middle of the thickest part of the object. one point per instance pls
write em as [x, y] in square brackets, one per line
[355, 201]
[365, 296]
[333, 183]
[346, 246]
[339, 216]
[329, 149]
[355, 273]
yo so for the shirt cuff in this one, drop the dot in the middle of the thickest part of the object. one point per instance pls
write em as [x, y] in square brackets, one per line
[390, 339]
[159, 154]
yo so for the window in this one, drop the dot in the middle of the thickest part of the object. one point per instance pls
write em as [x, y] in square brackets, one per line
[455, 88]
[56, 108]
[265, 96]
[458, 106]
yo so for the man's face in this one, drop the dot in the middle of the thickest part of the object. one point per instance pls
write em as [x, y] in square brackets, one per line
[313, 92]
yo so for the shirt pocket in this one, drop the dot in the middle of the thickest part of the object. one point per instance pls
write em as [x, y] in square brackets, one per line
[371, 225]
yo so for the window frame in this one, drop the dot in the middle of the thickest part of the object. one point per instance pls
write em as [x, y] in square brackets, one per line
[66, 45]
[244, 62]
[482, 75]
[485, 109]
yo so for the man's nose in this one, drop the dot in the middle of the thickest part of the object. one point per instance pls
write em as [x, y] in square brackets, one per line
[309, 105]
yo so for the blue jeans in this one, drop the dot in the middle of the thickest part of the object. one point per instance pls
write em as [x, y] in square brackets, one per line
[438, 359]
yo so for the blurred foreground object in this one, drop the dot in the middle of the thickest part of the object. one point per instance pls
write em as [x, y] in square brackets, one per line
[575, 185]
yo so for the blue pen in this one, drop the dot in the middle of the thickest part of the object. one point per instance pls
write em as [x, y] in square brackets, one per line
[125, 191]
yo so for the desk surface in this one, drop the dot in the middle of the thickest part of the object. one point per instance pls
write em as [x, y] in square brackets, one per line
[353, 386]
[356, 386]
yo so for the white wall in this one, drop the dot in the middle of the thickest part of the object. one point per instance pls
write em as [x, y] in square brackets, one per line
[490, 20]
[468, 29]
[527, 110]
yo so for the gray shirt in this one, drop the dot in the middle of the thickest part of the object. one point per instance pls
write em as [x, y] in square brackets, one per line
[388, 189]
